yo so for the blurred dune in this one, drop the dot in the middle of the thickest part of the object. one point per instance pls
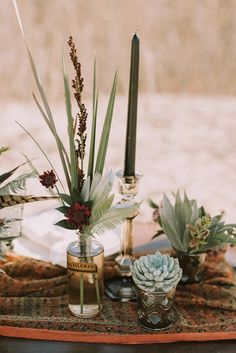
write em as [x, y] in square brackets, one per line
[186, 45]
[187, 108]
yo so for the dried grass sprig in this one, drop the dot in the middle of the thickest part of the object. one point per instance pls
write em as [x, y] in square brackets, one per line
[82, 115]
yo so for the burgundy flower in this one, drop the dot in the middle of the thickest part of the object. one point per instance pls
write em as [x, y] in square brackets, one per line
[78, 215]
[48, 179]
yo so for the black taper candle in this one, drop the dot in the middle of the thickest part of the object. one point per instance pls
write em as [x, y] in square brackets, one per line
[130, 148]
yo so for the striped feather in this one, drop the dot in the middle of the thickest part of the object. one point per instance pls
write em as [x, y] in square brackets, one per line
[11, 200]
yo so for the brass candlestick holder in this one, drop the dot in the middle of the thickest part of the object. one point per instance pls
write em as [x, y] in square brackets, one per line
[122, 287]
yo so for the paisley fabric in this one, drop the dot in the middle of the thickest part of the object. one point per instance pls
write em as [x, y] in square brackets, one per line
[33, 304]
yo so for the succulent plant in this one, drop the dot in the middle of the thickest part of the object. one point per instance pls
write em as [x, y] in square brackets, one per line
[156, 273]
[190, 228]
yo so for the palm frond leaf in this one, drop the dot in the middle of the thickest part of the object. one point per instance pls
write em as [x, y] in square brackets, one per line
[103, 187]
[85, 190]
[101, 208]
[112, 218]
[96, 180]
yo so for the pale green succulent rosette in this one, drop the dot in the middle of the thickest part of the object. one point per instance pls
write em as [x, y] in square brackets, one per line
[156, 273]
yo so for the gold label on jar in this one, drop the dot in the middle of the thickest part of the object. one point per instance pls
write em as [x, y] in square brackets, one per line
[82, 267]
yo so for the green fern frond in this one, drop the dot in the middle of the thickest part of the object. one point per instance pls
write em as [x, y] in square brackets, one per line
[112, 218]
[18, 184]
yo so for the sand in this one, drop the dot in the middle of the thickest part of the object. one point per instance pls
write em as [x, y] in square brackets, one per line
[184, 142]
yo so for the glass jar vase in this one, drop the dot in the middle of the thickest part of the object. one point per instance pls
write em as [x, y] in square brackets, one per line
[85, 264]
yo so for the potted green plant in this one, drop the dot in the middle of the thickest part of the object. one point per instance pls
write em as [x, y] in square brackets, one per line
[191, 231]
[156, 277]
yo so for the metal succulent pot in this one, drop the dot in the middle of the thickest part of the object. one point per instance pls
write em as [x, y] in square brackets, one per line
[155, 309]
[192, 266]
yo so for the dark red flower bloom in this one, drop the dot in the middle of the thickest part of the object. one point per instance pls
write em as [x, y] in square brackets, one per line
[78, 215]
[48, 179]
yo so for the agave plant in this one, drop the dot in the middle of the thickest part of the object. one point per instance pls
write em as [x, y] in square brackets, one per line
[190, 228]
[86, 200]
[156, 273]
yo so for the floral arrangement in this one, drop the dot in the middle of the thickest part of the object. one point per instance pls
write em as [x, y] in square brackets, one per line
[86, 200]
[156, 273]
[190, 228]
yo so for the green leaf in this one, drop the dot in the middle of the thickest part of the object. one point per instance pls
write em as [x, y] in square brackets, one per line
[41, 149]
[48, 115]
[4, 149]
[106, 130]
[103, 187]
[54, 133]
[32, 166]
[63, 209]
[187, 209]
[103, 201]
[93, 128]
[96, 180]
[169, 224]
[64, 224]
[169, 213]
[66, 198]
[76, 196]
[101, 209]
[113, 217]
[152, 204]
[85, 190]
[202, 212]
[179, 211]
[7, 175]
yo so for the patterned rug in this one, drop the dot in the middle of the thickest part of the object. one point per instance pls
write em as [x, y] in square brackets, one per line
[33, 304]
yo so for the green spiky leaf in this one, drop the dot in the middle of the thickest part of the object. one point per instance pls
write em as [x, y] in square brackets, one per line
[106, 130]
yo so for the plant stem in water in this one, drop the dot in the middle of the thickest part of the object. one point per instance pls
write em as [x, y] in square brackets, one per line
[81, 292]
